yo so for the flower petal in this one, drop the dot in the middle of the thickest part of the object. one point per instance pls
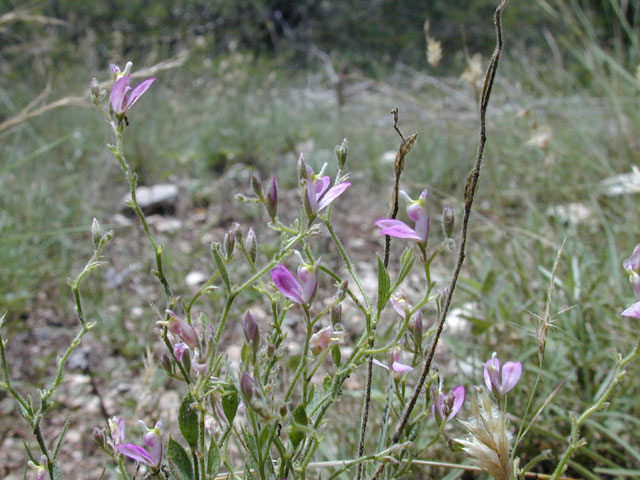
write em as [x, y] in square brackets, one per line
[491, 370]
[287, 283]
[511, 372]
[119, 95]
[137, 92]
[136, 453]
[333, 193]
[400, 368]
[458, 395]
[380, 364]
[632, 311]
[397, 228]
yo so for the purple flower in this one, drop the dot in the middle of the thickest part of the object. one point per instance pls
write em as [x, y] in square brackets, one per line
[116, 429]
[498, 380]
[181, 328]
[632, 266]
[122, 95]
[179, 349]
[445, 407]
[401, 305]
[318, 195]
[417, 212]
[152, 455]
[299, 290]
[633, 311]
[394, 364]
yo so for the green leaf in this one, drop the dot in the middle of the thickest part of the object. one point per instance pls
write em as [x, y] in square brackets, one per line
[406, 262]
[230, 402]
[217, 258]
[384, 285]
[213, 459]
[180, 459]
[254, 457]
[488, 283]
[297, 435]
[188, 421]
[336, 355]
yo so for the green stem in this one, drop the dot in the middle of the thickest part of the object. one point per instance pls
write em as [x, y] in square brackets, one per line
[347, 261]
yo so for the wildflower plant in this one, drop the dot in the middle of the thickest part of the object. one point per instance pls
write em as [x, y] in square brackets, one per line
[267, 415]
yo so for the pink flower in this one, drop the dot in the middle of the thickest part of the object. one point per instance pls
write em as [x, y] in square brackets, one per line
[633, 311]
[321, 340]
[300, 290]
[445, 407]
[417, 212]
[498, 380]
[394, 364]
[318, 195]
[152, 455]
[179, 349]
[122, 95]
[401, 305]
[632, 266]
[181, 328]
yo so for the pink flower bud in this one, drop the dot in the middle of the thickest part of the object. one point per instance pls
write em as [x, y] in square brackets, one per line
[272, 199]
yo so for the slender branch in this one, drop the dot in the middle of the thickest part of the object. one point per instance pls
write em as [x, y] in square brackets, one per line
[469, 194]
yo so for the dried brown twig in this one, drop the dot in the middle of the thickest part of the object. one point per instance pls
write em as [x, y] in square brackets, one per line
[469, 194]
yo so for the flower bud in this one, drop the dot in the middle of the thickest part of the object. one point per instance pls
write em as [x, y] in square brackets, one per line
[95, 90]
[448, 219]
[336, 315]
[271, 350]
[256, 186]
[415, 323]
[341, 153]
[251, 330]
[96, 233]
[99, 437]
[302, 169]
[248, 387]
[272, 199]
[250, 244]
[165, 361]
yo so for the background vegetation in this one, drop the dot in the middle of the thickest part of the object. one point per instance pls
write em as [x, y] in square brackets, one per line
[252, 83]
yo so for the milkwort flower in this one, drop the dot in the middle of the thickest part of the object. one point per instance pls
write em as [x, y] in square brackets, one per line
[446, 406]
[317, 194]
[501, 380]
[324, 337]
[152, 455]
[401, 305]
[632, 267]
[417, 212]
[394, 363]
[300, 290]
[122, 95]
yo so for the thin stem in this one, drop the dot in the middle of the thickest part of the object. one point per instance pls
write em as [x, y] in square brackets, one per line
[469, 194]
[348, 262]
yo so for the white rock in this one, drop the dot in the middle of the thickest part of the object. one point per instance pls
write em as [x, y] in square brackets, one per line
[623, 184]
[194, 278]
[155, 198]
[573, 213]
